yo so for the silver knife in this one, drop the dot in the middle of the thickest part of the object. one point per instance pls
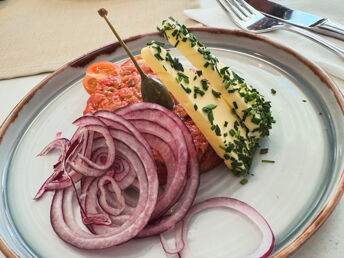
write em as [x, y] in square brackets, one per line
[299, 18]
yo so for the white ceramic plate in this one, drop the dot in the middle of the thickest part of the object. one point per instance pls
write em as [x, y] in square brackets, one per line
[295, 194]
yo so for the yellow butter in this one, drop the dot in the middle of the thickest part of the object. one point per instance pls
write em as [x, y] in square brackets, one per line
[231, 86]
[185, 86]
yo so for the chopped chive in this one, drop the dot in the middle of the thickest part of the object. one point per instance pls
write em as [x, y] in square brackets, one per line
[199, 72]
[195, 107]
[223, 70]
[235, 105]
[209, 107]
[268, 161]
[217, 130]
[159, 43]
[236, 125]
[227, 84]
[204, 83]
[244, 181]
[225, 124]
[273, 91]
[158, 56]
[184, 77]
[264, 151]
[186, 89]
[216, 93]
[211, 116]
[255, 120]
[197, 90]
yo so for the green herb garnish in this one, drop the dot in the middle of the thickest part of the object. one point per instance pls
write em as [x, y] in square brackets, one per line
[216, 93]
[244, 181]
[264, 151]
[268, 161]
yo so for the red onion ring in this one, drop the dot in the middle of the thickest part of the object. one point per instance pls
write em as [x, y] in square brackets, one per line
[148, 180]
[63, 144]
[191, 189]
[110, 154]
[95, 170]
[267, 244]
[102, 198]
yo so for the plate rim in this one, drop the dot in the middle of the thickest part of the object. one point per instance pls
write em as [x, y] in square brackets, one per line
[87, 58]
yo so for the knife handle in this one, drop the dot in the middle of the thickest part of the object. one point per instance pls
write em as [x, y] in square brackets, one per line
[330, 29]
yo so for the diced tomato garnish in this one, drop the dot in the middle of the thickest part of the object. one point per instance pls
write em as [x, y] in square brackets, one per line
[99, 73]
[103, 68]
[90, 84]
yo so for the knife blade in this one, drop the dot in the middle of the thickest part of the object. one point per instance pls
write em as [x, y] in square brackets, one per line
[299, 18]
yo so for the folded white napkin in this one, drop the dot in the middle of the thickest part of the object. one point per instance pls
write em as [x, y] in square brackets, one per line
[332, 64]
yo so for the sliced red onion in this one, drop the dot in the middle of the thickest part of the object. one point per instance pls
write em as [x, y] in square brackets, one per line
[59, 143]
[102, 198]
[96, 170]
[267, 244]
[156, 112]
[148, 180]
[119, 196]
[179, 242]
[63, 144]
[115, 121]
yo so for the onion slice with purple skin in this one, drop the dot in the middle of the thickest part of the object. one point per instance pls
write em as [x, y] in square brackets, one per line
[268, 239]
[63, 144]
[148, 180]
[183, 205]
[119, 195]
[96, 170]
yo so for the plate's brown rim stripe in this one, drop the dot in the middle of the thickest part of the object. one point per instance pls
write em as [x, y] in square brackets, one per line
[87, 58]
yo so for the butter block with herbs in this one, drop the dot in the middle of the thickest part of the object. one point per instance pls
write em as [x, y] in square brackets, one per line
[205, 106]
[243, 100]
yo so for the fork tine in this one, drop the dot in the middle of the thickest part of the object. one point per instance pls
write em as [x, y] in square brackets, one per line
[233, 15]
[249, 7]
[235, 10]
[242, 9]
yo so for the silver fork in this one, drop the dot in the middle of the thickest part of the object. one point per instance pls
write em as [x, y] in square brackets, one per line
[250, 19]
